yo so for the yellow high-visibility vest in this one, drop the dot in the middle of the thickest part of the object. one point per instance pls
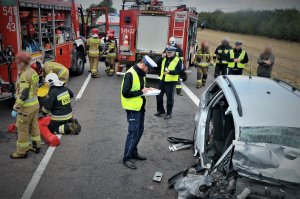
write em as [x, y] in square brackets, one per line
[171, 67]
[133, 103]
[241, 57]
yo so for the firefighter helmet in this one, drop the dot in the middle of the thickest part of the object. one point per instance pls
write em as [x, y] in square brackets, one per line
[53, 80]
[24, 57]
[111, 31]
[172, 41]
[95, 32]
[38, 67]
[110, 36]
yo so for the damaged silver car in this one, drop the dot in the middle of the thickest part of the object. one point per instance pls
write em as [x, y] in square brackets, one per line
[247, 138]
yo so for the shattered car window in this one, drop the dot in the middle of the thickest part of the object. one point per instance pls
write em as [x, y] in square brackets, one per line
[287, 136]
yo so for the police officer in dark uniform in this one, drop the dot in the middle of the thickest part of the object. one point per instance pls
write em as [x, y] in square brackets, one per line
[222, 58]
[133, 101]
[170, 68]
[59, 105]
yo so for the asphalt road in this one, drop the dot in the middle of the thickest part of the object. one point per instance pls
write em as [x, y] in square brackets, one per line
[90, 165]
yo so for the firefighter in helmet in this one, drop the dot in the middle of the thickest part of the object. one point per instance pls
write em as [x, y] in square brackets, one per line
[179, 53]
[93, 48]
[59, 106]
[111, 55]
[202, 61]
[26, 108]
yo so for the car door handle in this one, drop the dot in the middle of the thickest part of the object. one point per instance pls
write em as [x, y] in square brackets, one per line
[60, 51]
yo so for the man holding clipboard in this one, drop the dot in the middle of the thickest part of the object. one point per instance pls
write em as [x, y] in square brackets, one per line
[133, 101]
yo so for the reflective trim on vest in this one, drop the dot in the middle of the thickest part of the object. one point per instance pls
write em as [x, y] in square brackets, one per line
[133, 103]
[241, 57]
[171, 67]
[62, 117]
[62, 72]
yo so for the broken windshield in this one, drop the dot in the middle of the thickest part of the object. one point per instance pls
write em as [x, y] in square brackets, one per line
[287, 136]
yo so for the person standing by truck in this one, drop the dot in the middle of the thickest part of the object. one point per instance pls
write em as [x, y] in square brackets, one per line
[133, 101]
[170, 68]
[111, 55]
[265, 62]
[26, 108]
[222, 57]
[93, 48]
[202, 61]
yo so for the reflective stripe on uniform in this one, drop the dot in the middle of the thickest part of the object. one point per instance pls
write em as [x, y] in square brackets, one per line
[36, 138]
[62, 117]
[45, 110]
[23, 144]
[62, 72]
[61, 129]
[28, 102]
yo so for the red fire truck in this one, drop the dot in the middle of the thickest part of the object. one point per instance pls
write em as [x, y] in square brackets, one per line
[145, 28]
[48, 29]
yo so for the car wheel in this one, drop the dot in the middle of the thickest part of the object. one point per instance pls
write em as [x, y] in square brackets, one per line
[79, 63]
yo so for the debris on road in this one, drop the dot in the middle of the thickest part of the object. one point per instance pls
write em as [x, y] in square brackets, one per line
[157, 176]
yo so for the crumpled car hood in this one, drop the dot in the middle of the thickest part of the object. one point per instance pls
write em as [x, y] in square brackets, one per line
[273, 162]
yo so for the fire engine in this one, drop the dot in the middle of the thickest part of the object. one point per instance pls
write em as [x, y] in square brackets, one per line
[51, 30]
[145, 28]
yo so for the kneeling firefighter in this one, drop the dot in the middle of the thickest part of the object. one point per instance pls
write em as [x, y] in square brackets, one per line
[202, 61]
[111, 55]
[59, 105]
[26, 108]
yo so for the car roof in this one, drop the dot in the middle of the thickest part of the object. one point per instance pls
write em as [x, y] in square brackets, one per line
[263, 101]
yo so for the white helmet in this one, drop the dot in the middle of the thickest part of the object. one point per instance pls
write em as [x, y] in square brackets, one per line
[172, 41]
[53, 80]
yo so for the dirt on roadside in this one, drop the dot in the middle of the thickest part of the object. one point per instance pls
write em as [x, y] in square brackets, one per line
[287, 54]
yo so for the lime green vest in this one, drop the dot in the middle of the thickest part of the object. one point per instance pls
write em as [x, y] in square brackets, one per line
[241, 57]
[133, 103]
[172, 66]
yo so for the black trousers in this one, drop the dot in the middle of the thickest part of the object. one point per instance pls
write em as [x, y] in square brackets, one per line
[168, 89]
[235, 71]
[221, 69]
[60, 127]
[135, 121]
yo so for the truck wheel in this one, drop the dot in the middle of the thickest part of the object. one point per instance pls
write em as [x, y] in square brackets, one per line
[79, 63]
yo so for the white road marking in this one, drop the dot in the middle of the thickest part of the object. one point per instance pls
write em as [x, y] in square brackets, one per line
[38, 173]
[188, 91]
[83, 87]
[42, 166]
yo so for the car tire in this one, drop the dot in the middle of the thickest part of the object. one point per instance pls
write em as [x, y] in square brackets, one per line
[79, 63]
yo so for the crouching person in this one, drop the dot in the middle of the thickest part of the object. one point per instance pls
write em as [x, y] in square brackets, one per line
[59, 106]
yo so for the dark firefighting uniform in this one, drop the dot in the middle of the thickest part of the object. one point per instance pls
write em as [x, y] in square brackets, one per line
[59, 105]
[27, 106]
[134, 104]
[237, 68]
[167, 82]
[222, 59]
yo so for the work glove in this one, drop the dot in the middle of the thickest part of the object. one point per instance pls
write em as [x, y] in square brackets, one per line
[14, 113]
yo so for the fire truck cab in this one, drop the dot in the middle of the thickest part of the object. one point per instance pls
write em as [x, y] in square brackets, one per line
[51, 30]
[145, 29]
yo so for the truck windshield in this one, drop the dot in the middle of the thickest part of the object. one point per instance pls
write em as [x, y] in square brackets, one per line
[287, 136]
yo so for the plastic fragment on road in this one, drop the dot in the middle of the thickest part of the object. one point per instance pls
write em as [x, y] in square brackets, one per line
[50, 138]
[180, 146]
[157, 176]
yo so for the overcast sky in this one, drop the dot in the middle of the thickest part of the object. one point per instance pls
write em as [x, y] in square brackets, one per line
[225, 5]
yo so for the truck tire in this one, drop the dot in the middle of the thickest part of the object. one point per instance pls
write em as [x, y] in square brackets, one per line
[79, 63]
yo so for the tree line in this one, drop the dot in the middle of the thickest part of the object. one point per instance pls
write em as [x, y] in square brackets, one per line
[279, 24]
